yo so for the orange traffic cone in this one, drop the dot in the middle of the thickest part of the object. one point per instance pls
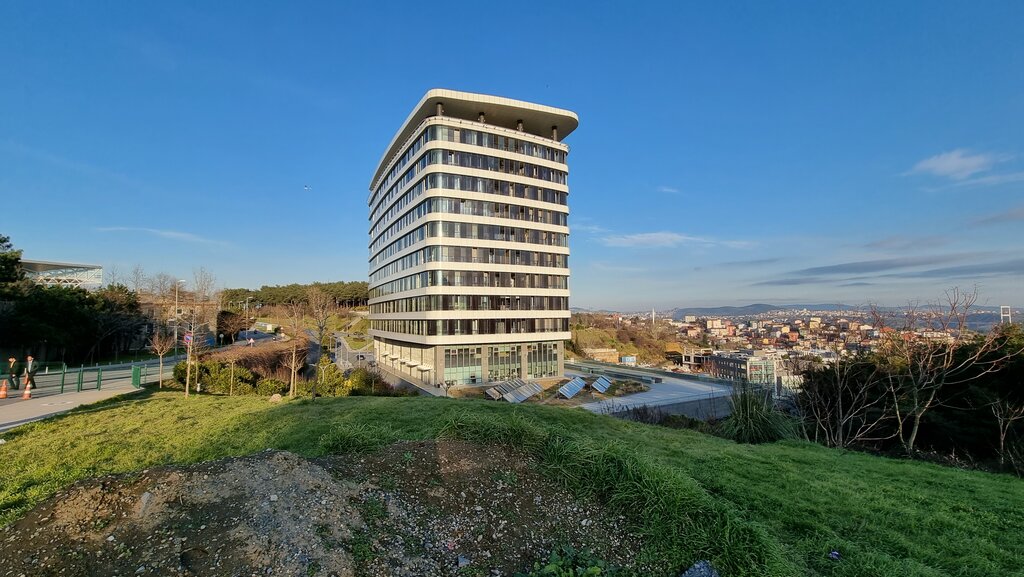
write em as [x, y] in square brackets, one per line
[28, 392]
[3, 390]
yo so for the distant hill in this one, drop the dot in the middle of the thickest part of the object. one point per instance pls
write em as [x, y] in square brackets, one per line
[754, 309]
[760, 308]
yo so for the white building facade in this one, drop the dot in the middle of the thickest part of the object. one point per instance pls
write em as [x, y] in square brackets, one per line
[469, 242]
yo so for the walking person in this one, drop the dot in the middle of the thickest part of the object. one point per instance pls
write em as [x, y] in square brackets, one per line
[31, 368]
[11, 372]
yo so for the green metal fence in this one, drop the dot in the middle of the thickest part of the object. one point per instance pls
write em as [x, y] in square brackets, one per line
[57, 378]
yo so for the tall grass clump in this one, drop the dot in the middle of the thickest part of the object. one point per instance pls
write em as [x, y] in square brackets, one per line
[755, 419]
[356, 438]
[515, 430]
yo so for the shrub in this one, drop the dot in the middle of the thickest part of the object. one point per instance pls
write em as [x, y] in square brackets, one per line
[179, 372]
[216, 377]
[328, 378]
[268, 387]
[567, 562]
[754, 419]
[620, 388]
[364, 382]
[684, 422]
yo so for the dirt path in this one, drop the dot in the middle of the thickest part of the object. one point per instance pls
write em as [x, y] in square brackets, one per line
[425, 508]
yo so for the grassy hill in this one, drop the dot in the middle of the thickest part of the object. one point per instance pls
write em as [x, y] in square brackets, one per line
[753, 510]
[628, 341]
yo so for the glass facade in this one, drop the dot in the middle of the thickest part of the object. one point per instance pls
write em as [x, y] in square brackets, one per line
[464, 183]
[462, 366]
[465, 136]
[453, 327]
[541, 360]
[470, 278]
[472, 231]
[473, 208]
[504, 362]
[470, 303]
[471, 254]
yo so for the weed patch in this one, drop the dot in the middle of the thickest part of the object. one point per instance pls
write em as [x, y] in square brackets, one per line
[356, 438]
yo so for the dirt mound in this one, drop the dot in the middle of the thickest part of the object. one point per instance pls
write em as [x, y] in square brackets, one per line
[424, 508]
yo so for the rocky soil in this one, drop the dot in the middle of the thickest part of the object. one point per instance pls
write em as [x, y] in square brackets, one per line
[419, 508]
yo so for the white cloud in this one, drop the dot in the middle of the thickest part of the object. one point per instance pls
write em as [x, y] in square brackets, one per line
[171, 234]
[990, 180]
[606, 267]
[669, 189]
[586, 224]
[1011, 215]
[958, 164]
[667, 240]
[591, 228]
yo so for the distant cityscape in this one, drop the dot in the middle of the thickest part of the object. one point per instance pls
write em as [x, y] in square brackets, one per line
[770, 345]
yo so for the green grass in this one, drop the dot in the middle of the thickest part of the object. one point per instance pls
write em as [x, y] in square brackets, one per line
[771, 509]
[356, 343]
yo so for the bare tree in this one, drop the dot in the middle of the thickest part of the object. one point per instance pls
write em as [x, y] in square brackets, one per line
[203, 285]
[138, 279]
[1006, 414]
[322, 309]
[296, 315]
[231, 323]
[844, 399]
[161, 343]
[161, 285]
[200, 305]
[114, 275]
[925, 350]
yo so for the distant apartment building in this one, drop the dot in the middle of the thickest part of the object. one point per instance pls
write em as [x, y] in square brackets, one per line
[689, 358]
[753, 367]
[468, 247]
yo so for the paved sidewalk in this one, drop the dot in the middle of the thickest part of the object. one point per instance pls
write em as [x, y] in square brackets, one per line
[15, 411]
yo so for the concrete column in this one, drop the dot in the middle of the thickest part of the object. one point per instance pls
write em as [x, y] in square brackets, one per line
[485, 363]
[440, 109]
[438, 365]
[524, 352]
[554, 133]
[561, 358]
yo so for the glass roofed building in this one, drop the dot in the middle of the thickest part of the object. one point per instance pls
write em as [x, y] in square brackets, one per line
[469, 242]
[63, 273]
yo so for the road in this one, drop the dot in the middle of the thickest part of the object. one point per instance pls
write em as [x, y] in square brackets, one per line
[346, 358]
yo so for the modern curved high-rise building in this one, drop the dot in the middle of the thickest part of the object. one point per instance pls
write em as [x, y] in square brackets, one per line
[469, 242]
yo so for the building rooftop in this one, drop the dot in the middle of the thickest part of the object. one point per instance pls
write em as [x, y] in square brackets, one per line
[44, 266]
[498, 111]
[63, 273]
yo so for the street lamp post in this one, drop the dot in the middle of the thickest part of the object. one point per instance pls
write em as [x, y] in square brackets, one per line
[247, 325]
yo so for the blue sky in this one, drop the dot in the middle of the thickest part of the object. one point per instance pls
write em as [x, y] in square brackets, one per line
[728, 152]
